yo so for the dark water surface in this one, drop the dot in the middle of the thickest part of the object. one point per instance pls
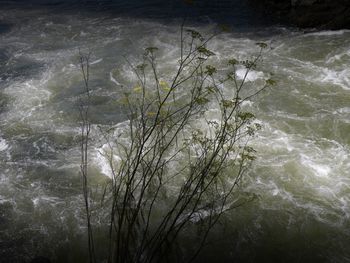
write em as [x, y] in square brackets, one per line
[301, 176]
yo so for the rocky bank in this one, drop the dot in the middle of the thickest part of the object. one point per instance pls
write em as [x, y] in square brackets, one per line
[323, 14]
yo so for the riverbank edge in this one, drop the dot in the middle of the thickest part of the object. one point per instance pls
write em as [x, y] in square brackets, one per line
[319, 14]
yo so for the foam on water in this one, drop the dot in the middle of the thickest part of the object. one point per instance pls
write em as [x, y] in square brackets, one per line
[3, 144]
[345, 110]
[26, 105]
[103, 158]
[251, 76]
[338, 57]
[302, 166]
[318, 169]
[340, 78]
[46, 199]
[302, 173]
[328, 33]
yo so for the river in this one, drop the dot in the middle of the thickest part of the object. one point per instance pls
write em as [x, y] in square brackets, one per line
[301, 176]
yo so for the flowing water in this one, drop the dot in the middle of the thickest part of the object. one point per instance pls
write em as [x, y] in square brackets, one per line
[302, 173]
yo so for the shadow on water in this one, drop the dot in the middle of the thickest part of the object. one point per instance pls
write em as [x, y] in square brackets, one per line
[20, 68]
[235, 13]
[4, 28]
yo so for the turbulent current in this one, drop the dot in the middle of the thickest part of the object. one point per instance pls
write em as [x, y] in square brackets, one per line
[301, 177]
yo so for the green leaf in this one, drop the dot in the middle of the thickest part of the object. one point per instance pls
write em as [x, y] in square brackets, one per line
[137, 89]
[248, 157]
[249, 149]
[232, 61]
[164, 85]
[257, 126]
[124, 101]
[246, 116]
[271, 82]
[248, 64]
[210, 70]
[205, 51]
[210, 89]
[261, 44]
[201, 100]
[227, 103]
[250, 131]
[194, 34]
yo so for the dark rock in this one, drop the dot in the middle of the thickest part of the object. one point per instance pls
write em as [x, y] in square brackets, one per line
[325, 14]
[322, 14]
